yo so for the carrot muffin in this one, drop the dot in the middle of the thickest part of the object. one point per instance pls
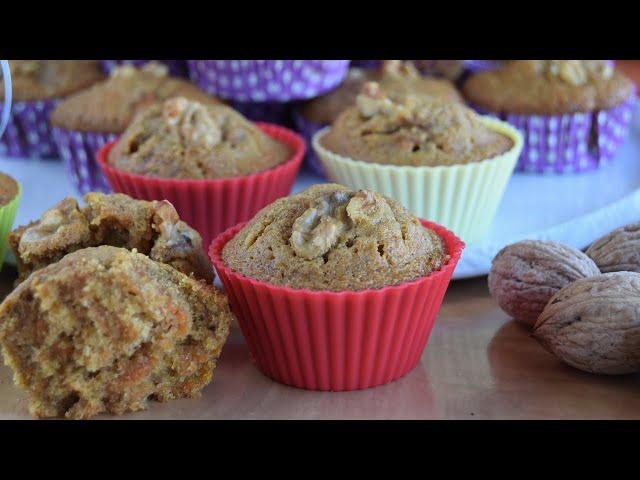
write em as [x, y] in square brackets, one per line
[575, 114]
[151, 228]
[332, 238]
[549, 87]
[109, 106]
[37, 86]
[105, 329]
[414, 130]
[395, 77]
[89, 119]
[188, 139]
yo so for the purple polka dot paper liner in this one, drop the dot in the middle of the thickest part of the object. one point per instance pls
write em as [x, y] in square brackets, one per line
[481, 65]
[308, 129]
[571, 143]
[177, 68]
[78, 150]
[270, 112]
[267, 80]
[366, 63]
[28, 132]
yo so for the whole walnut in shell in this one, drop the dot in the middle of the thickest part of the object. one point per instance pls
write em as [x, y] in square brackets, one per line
[525, 275]
[619, 251]
[593, 324]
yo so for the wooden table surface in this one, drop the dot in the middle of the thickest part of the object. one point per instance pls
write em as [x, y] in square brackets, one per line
[478, 364]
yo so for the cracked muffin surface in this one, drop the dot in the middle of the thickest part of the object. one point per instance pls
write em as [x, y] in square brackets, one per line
[332, 238]
[190, 140]
[44, 79]
[152, 228]
[548, 87]
[415, 130]
[106, 329]
[110, 105]
[396, 78]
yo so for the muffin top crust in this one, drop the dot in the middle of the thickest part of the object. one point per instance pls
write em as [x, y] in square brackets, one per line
[33, 80]
[549, 87]
[190, 140]
[415, 130]
[335, 239]
[151, 228]
[8, 189]
[110, 105]
[396, 78]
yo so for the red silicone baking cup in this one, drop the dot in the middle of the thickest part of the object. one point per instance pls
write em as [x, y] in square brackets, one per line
[212, 206]
[336, 341]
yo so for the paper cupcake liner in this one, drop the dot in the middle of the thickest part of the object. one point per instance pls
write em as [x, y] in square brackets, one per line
[267, 80]
[571, 143]
[78, 150]
[268, 112]
[28, 132]
[464, 198]
[308, 129]
[7, 216]
[212, 206]
[336, 341]
[177, 68]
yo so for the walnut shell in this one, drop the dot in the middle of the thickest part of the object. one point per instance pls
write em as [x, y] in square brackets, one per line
[593, 324]
[619, 251]
[525, 275]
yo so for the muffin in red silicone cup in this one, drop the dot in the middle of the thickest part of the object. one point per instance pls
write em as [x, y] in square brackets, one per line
[216, 167]
[336, 289]
[574, 114]
[87, 120]
[37, 87]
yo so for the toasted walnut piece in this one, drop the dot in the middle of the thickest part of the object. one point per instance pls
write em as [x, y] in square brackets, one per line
[400, 68]
[366, 207]
[372, 100]
[156, 68]
[193, 121]
[593, 324]
[618, 251]
[319, 227]
[125, 70]
[525, 275]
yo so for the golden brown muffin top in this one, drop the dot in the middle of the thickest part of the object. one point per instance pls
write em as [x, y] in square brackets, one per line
[109, 106]
[8, 189]
[332, 238]
[48, 79]
[186, 139]
[104, 329]
[549, 87]
[416, 130]
[152, 228]
[396, 78]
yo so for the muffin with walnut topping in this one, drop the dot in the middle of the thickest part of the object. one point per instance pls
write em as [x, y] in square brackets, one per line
[439, 159]
[396, 77]
[574, 113]
[336, 289]
[87, 120]
[214, 165]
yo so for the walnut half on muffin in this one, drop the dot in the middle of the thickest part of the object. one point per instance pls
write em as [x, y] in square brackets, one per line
[152, 228]
[105, 329]
[185, 139]
[332, 238]
[413, 130]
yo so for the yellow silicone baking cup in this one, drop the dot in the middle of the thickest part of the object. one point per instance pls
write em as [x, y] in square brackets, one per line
[463, 198]
[7, 216]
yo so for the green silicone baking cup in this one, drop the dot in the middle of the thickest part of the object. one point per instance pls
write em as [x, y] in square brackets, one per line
[7, 216]
[463, 198]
